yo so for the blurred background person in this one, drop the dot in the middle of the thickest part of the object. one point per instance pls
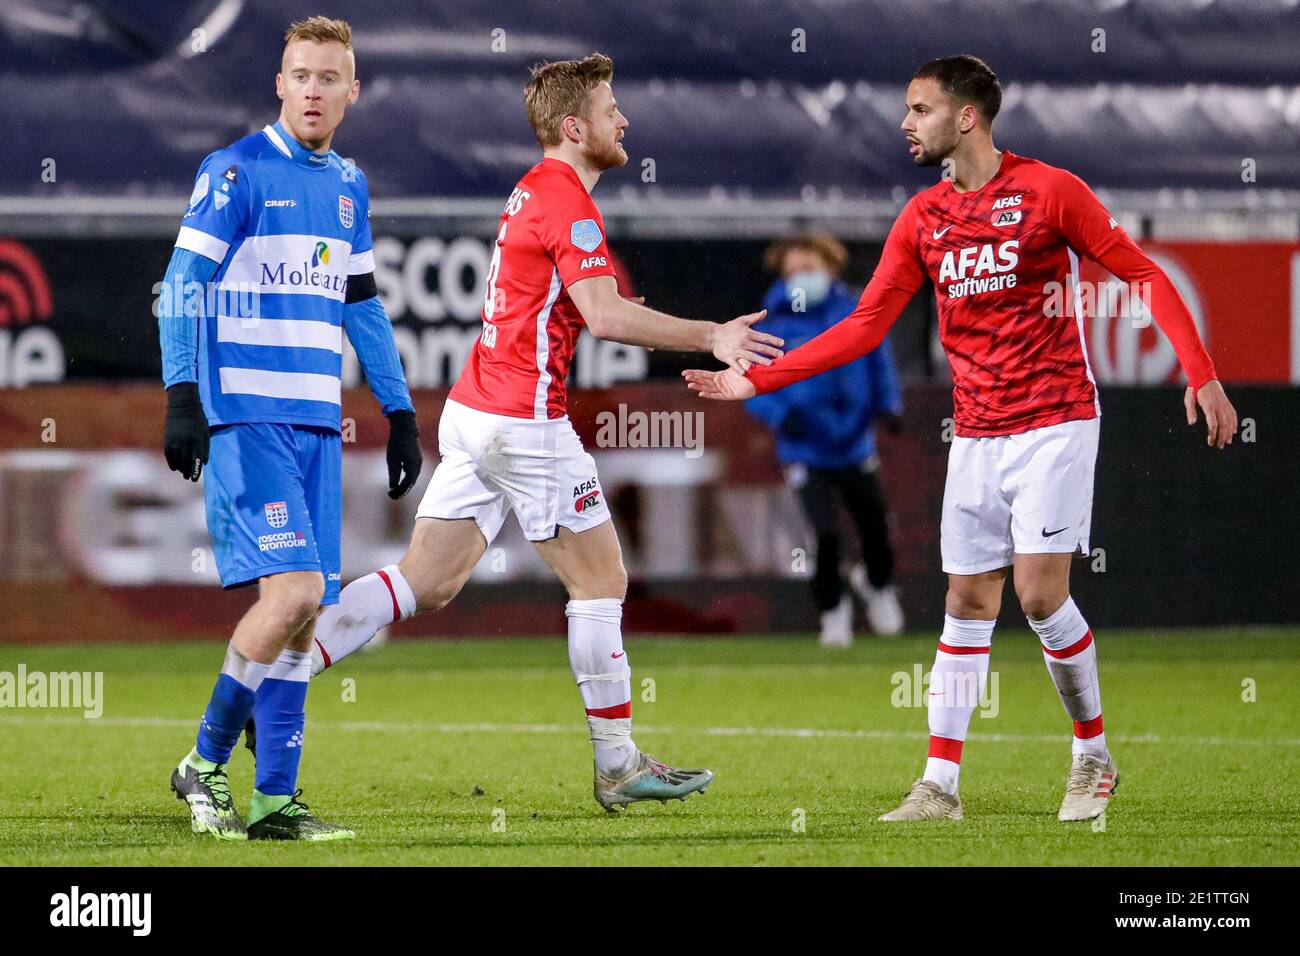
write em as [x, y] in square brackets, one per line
[825, 438]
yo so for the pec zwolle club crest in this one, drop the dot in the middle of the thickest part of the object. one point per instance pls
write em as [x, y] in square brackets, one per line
[345, 212]
[277, 514]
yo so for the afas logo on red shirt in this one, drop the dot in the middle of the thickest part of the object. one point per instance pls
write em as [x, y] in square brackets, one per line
[978, 269]
[975, 261]
[1003, 214]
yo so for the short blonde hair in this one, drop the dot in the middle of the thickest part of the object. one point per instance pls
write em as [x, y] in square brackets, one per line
[560, 89]
[322, 30]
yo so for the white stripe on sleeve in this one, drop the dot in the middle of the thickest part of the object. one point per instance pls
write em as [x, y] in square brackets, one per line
[359, 263]
[203, 243]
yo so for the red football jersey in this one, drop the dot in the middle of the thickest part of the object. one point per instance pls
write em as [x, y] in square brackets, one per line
[1003, 259]
[550, 235]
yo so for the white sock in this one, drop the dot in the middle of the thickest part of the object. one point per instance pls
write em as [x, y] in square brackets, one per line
[600, 667]
[961, 667]
[365, 606]
[249, 673]
[1071, 658]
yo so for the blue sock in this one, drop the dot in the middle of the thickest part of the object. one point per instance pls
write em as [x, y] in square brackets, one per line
[281, 713]
[230, 705]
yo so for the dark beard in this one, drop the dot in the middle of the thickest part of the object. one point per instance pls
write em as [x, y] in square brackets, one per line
[933, 159]
[936, 158]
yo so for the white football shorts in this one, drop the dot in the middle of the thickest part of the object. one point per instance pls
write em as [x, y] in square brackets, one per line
[1018, 494]
[494, 464]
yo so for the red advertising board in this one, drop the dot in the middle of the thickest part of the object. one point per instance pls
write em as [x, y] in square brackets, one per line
[1245, 298]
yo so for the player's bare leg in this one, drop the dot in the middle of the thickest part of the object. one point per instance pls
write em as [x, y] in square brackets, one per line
[1042, 583]
[961, 666]
[442, 555]
[260, 649]
[285, 604]
[590, 564]
[438, 562]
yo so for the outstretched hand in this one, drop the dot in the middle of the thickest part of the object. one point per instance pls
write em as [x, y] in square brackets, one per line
[735, 344]
[725, 386]
[1220, 416]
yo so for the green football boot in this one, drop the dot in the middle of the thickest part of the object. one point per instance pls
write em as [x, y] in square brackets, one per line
[205, 789]
[291, 821]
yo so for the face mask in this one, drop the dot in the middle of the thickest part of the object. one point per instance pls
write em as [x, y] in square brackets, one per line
[815, 286]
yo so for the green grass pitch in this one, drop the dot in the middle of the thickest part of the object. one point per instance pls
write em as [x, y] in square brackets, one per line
[475, 752]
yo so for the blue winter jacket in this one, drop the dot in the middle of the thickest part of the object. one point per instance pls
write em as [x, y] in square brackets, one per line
[827, 418]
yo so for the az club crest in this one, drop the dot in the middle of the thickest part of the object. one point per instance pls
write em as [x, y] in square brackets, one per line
[345, 212]
[277, 513]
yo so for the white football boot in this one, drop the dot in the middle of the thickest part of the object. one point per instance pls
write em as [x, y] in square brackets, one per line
[884, 613]
[837, 625]
[1088, 788]
[926, 801]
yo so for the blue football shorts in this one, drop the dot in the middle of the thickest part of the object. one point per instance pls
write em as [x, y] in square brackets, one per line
[274, 496]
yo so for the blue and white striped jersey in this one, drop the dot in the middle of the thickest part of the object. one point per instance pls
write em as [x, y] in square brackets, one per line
[288, 227]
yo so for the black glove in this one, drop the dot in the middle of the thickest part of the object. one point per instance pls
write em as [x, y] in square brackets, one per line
[403, 453]
[793, 425]
[186, 435]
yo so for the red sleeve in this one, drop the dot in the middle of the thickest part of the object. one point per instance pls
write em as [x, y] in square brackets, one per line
[573, 234]
[1090, 230]
[897, 277]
